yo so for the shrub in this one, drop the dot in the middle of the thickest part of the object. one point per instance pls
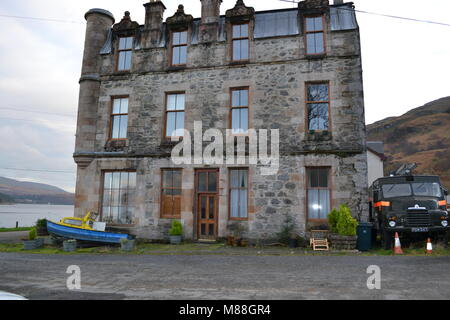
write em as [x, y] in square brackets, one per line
[41, 223]
[32, 234]
[341, 222]
[177, 228]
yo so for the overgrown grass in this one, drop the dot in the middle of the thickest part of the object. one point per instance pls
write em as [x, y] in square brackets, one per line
[15, 229]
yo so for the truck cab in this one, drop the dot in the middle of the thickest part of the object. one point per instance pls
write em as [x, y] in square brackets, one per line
[413, 206]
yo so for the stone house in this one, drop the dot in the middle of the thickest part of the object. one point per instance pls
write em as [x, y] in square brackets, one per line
[295, 71]
[375, 161]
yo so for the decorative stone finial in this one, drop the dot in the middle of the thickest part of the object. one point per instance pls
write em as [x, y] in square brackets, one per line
[240, 12]
[126, 23]
[180, 18]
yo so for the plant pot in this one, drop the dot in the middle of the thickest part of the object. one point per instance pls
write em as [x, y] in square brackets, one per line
[230, 240]
[32, 244]
[70, 246]
[293, 243]
[41, 231]
[127, 245]
[339, 242]
[175, 239]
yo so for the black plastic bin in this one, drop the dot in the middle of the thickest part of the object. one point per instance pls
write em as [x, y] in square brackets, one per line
[364, 232]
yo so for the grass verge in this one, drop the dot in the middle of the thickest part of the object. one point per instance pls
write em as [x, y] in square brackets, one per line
[14, 229]
[215, 249]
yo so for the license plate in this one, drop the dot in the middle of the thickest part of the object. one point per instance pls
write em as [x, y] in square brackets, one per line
[419, 229]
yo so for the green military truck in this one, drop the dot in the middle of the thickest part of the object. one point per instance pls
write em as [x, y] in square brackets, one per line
[414, 206]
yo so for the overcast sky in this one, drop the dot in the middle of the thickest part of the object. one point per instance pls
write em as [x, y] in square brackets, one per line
[406, 64]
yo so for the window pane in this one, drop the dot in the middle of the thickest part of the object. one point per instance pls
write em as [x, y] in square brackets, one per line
[236, 31]
[310, 44]
[108, 180]
[176, 38]
[243, 203]
[116, 180]
[127, 60]
[167, 179]
[176, 56]
[211, 208]
[236, 50]
[244, 120]
[123, 180]
[318, 92]
[106, 197]
[171, 102]
[234, 203]
[171, 118]
[244, 98]
[244, 30]
[236, 121]
[177, 174]
[116, 106]
[124, 105]
[309, 24]
[126, 43]
[180, 100]
[236, 98]
[202, 176]
[243, 176]
[115, 127]
[123, 127]
[318, 24]
[313, 204]
[234, 176]
[179, 132]
[212, 181]
[203, 207]
[323, 178]
[318, 116]
[121, 65]
[313, 178]
[183, 55]
[183, 37]
[324, 200]
[244, 49]
[318, 38]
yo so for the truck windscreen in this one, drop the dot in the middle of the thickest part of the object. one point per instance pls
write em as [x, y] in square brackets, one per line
[427, 189]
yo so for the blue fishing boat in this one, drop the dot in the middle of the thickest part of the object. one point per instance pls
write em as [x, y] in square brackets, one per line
[77, 233]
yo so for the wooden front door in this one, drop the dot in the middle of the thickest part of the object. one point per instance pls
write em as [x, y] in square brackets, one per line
[207, 181]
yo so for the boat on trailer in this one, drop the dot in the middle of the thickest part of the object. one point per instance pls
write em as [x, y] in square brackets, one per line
[85, 229]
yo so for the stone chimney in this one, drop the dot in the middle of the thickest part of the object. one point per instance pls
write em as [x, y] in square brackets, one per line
[209, 27]
[154, 12]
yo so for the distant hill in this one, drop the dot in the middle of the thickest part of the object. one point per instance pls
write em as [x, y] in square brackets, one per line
[6, 199]
[31, 192]
[422, 135]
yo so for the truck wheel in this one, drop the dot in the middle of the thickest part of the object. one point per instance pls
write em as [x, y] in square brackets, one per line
[386, 240]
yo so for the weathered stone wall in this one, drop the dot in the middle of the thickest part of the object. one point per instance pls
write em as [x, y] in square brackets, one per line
[276, 76]
[271, 198]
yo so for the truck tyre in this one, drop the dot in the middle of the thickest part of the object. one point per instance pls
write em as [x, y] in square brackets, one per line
[386, 240]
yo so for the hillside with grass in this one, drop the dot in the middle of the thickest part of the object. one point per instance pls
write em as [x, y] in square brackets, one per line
[422, 136]
[34, 193]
